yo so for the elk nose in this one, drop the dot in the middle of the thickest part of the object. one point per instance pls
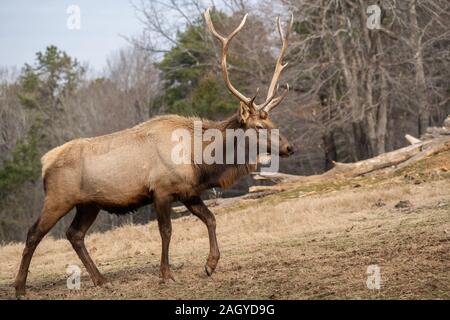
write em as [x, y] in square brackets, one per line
[290, 149]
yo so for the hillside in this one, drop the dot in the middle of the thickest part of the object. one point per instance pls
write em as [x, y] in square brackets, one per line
[312, 241]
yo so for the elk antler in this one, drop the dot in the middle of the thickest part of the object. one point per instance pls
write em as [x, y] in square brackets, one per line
[271, 102]
[225, 44]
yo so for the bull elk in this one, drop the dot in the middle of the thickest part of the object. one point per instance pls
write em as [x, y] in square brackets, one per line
[123, 171]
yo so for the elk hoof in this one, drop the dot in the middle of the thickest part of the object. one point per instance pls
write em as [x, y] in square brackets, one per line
[101, 281]
[167, 280]
[209, 271]
[21, 296]
[167, 277]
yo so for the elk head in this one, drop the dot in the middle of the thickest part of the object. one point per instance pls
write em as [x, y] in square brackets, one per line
[250, 114]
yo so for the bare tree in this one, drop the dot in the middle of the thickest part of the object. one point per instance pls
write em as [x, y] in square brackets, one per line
[361, 78]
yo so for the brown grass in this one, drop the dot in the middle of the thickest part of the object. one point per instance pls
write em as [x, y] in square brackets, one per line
[286, 245]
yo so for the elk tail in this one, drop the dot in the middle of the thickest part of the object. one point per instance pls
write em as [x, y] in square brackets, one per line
[50, 158]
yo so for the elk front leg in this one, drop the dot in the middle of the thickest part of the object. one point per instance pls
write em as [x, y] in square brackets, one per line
[163, 211]
[199, 209]
[84, 218]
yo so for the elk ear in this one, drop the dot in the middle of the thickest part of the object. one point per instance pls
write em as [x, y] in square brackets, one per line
[244, 112]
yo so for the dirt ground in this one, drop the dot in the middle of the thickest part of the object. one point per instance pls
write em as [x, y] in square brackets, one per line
[313, 242]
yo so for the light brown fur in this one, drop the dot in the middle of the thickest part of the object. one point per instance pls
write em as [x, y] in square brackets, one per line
[123, 171]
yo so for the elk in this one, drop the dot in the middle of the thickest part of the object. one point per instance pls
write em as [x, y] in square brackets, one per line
[125, 170]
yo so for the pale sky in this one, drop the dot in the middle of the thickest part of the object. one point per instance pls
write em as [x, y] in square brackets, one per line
[28, 26]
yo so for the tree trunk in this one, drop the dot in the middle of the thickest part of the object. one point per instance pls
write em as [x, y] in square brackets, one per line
[421, 86]
[383, 108]
[330, 150]
[370, 112]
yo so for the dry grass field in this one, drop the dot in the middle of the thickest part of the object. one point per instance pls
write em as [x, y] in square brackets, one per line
[311, 242]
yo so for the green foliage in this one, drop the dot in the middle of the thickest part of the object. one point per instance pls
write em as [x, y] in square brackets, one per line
[27, 100]
[23, 166]
[29, 79]
[206, 99]
[58, 72]
[41, 85]
[189, 86]
[54, 74]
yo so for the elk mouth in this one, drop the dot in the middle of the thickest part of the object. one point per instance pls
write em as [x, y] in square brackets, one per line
[289, 151]
[286, 154]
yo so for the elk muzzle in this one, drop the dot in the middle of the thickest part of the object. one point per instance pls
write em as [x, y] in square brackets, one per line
[286, 148]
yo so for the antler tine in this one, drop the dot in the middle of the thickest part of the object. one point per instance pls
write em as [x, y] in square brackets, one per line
[252, 100]
[225, 43]
[279, 66]
[275, 102]
[268, 100]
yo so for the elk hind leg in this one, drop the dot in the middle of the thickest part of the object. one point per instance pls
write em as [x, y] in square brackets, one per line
[51, 213]
[84, 218]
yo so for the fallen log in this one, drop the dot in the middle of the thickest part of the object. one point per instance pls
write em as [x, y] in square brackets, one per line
[275, 177]
[438, 131]
[435, 132]
[382, 161]
[394, 160]
[266, 188]
[411, 139]
[434, 147]
[447, 123]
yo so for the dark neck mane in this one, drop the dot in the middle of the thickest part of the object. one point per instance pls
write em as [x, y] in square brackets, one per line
[231, 122]
[223, 175]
